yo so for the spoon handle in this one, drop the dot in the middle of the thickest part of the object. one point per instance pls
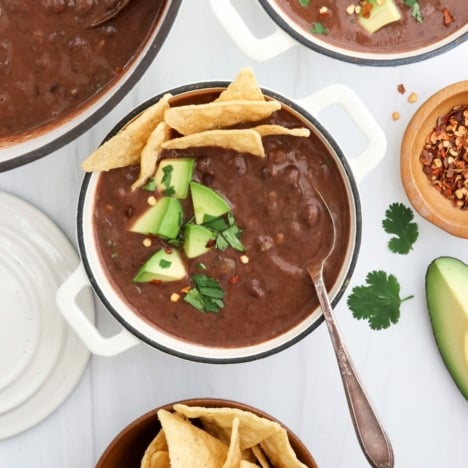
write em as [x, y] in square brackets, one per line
[371, 435]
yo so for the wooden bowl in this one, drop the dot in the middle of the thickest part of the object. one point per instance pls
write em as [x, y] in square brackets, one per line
[426, 200]
[128, 447]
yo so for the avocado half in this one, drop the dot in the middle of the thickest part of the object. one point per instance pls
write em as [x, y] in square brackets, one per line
[447, 302]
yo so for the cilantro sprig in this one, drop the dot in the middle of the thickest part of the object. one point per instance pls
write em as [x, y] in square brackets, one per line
[207, 295]
[415, 10]
[399, 221]
[228, 232]
[378, 302]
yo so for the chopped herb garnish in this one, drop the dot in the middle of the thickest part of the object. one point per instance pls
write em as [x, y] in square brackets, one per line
[166, 180]
[304, 3]
[415, 10]
[228, 232]
[150, 185]
[207, 295]
[319, 28]
[378, 302]
[399, 221]
[163, 263]
[202, 266]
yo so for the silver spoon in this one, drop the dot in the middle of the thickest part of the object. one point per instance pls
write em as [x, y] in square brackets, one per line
[372, 438]
[110, 13]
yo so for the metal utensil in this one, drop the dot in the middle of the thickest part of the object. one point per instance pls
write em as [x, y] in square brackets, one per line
[372, 438]
[109, 13]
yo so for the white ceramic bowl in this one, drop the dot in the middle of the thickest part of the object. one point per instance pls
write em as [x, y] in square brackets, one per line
[135, 328]
[288, 34]
[45, 139]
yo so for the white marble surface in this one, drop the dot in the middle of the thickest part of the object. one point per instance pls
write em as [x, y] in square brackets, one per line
[422, 410]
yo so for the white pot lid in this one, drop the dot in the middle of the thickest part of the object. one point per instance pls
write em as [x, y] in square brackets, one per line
[41, 359]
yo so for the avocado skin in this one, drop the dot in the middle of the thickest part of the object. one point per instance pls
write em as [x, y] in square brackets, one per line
[447, 302]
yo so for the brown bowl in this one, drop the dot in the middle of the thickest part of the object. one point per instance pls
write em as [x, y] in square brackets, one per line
[128, 447]
[426, 200]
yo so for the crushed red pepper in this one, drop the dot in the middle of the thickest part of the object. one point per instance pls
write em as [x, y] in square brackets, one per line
[445, 156]
[448, 18]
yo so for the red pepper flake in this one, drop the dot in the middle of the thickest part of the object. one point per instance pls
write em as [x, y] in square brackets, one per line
[448, 18]
[168, 250]
[401, 88]
[366, 8]
[234, 279]
[156, 282]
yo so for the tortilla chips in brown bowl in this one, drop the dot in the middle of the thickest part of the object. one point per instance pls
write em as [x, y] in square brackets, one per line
[209, 433]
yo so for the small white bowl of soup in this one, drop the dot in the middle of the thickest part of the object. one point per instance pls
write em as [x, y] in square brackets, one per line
[59, 75]
[269, 302]
[336, 28]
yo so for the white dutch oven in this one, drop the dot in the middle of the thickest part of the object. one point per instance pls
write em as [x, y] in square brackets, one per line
[135, 329]
[42, 141]
[287, 34]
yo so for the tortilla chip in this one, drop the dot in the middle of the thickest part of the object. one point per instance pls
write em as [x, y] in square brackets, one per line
[241, 140]
[124, 148]
[260, 456]
[234, 455]
[160, 459]
[195, 118]
[247, 464]
[158, 444]
[279, 451]
[266, 130]
[150, 153]
[252, 428]
[189, 445]
[244, 87]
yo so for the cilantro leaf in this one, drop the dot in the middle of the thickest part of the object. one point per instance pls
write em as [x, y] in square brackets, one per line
[415, 10]
[163, 263]
[319, 28]
[207, 295]
[304, 3]
[150, 185]
[378, 302]
[399, 221]
[166, 180]
[228, 232]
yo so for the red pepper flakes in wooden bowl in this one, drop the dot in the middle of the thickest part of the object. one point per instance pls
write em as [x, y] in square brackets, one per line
[434, 159]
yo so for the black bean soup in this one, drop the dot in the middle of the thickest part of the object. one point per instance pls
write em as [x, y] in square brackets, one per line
[439, 20]
[280, 222]
[51, 62]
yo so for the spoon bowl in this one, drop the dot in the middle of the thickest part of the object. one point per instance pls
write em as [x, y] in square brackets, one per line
[371, 435]
[109, 13]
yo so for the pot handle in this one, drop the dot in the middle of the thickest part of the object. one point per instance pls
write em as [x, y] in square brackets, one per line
[342, 95]
[76, 318]
[252, 46]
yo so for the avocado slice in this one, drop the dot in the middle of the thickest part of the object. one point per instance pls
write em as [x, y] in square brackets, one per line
[174, 175]
[447, 301]
[207, 204]
[380, 16]
[198, 240]
[163, 219]
[164, 265]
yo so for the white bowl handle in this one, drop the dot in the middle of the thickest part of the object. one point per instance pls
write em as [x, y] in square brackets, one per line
[76, 318]
[252, 46]
[363, 163]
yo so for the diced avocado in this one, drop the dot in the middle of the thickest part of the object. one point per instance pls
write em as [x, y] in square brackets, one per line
[207, 204]
[162, 266]
[198, 240]
[173, 176]
[163, 219]
[447, 301]
[380, 16]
